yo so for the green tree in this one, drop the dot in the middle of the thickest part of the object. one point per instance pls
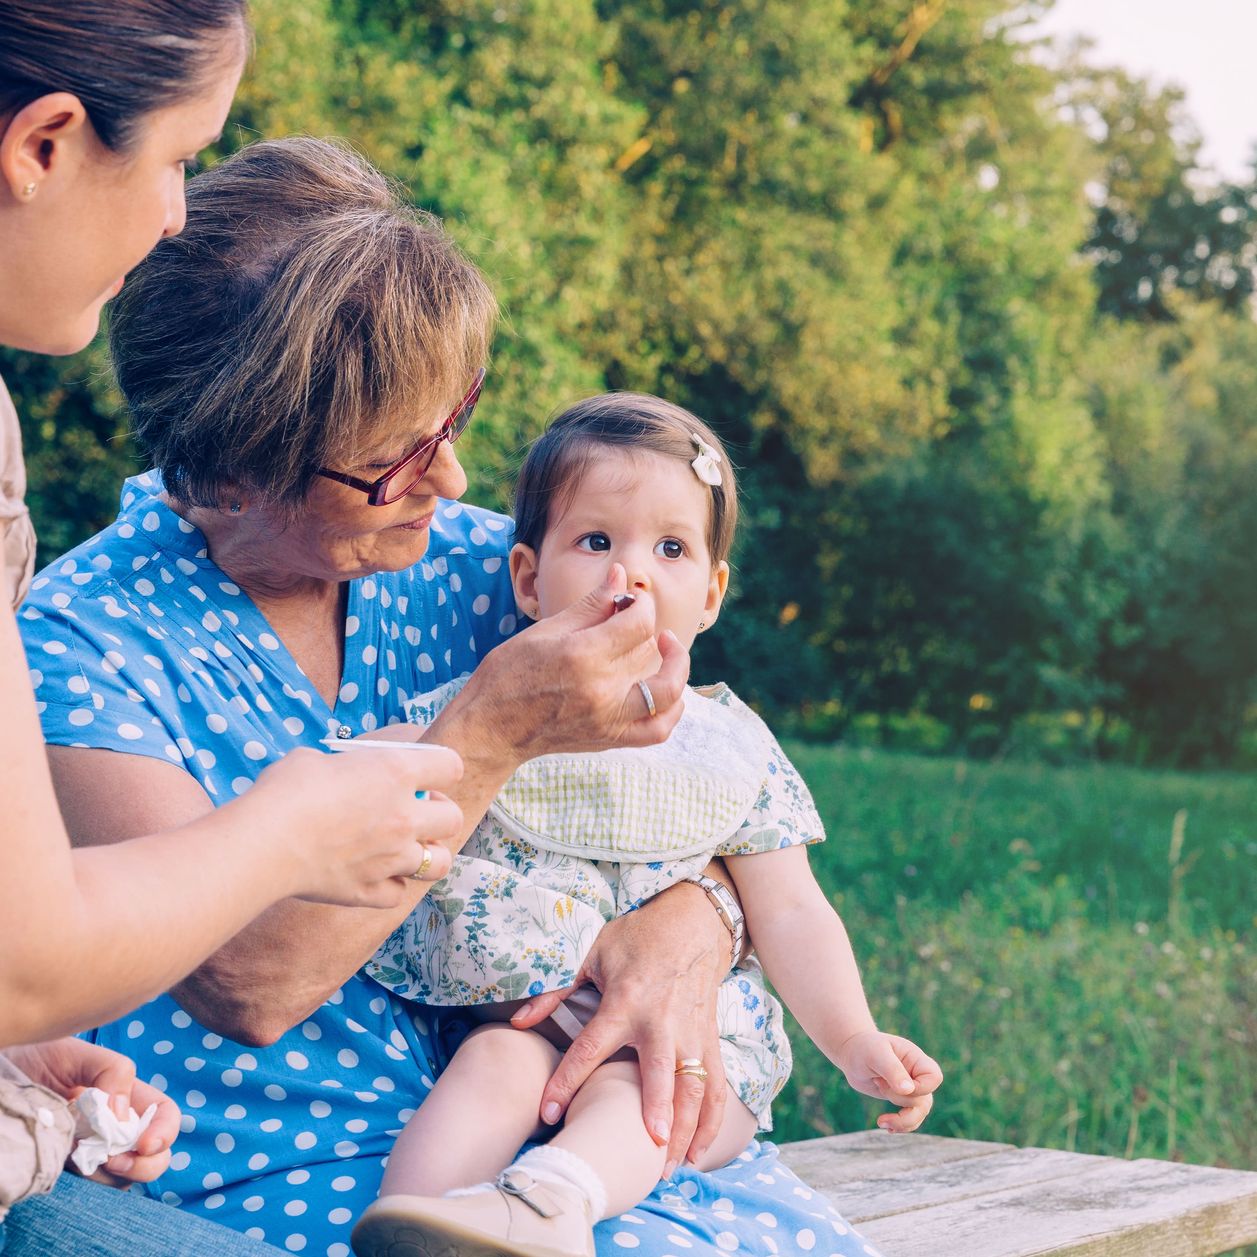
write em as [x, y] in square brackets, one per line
[983, 361]
[1161, 225]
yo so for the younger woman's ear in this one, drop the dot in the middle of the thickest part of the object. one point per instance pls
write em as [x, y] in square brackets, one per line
[33, 141]
[716, 591]
[523, 569]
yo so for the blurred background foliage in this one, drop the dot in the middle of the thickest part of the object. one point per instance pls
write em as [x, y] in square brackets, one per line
[977, 329]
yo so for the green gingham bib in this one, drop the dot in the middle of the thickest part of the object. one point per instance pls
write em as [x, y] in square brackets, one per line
[514, 917]
[643, 804]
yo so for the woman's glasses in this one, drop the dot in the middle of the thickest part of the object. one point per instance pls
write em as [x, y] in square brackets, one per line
[404, 474]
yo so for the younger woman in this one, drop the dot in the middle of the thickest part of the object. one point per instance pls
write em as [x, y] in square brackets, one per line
[103, 104]
[573, 841]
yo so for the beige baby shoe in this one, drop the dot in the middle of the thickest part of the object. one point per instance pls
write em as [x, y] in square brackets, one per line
[520, 1217]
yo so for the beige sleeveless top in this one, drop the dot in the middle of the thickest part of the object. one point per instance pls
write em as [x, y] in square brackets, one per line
[18, 551]
[35, 1125]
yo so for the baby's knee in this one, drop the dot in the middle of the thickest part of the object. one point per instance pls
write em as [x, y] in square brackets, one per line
[502, 1046]
[615, 1076]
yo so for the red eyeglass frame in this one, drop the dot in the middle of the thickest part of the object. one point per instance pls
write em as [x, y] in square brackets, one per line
[420, 458]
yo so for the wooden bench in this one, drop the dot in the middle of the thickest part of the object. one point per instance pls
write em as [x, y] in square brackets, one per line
[927, 1196]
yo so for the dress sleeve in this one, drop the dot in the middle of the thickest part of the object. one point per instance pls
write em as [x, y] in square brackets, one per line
[783, 814]
[96, 684]
[423, 709]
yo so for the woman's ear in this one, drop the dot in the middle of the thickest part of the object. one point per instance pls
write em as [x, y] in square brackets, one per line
[523, 567]
[716, 591]
[33, 144]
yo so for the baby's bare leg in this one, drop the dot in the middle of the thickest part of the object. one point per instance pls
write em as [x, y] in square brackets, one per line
[604, 1128]
[737, 1129]
[482, 1110]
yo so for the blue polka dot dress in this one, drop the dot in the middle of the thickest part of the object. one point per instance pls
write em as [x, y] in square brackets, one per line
[138, 643]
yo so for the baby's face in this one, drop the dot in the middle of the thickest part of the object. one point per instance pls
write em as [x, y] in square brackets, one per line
[645, 512]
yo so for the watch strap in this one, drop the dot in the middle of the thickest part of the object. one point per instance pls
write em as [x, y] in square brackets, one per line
[727, 909]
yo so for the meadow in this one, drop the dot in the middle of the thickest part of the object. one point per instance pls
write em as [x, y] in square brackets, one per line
[1076, 945]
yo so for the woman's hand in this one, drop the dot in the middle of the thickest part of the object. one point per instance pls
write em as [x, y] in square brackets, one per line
[70, 1066]
[350, 825]
[891, 1068]
[570, 682]
[658, 969]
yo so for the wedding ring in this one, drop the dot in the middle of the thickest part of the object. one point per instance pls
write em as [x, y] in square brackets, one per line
[420, 874]
[692, 1067]
[648, 698]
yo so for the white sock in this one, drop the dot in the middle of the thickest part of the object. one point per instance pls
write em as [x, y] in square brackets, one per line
[474, 1190]
[548, 1164]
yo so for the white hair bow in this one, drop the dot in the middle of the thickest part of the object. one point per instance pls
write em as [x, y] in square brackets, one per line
[705, 465]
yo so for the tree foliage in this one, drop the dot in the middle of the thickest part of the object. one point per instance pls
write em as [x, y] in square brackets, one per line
[975, 328]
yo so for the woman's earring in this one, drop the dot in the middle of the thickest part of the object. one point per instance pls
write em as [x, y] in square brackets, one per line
[28, 190]
[702, 624]
[235, 508]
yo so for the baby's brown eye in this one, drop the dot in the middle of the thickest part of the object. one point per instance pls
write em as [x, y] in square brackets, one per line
[598, 542]
[670, 548]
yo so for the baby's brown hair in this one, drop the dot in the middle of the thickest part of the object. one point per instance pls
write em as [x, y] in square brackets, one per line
[559, 458]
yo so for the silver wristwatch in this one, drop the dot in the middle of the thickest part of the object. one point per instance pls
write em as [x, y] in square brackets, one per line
[727, 909]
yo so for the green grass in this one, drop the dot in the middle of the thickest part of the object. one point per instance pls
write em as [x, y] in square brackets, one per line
[1077, 946]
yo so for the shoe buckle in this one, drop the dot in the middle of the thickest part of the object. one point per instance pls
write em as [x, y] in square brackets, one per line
[521, 1184]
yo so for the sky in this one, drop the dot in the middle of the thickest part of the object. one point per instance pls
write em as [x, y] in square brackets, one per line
[1207, 47]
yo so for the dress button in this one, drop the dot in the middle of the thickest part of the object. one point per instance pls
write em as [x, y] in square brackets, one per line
[343, 732]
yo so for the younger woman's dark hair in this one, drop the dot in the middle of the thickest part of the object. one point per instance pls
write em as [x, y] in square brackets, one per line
[634, 422]
[122, 58]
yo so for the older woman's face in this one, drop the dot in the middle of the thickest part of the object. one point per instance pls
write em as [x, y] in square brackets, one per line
[337, 536]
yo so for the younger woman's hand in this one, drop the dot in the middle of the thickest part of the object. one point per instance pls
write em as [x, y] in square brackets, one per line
[349, 825]
[71, 1066]
[891, 1068]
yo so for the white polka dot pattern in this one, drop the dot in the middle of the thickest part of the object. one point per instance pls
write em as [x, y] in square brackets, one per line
[752, 1207]
[143, 644]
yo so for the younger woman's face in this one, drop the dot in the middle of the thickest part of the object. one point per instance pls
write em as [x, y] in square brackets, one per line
[649, 514]
[95, 214]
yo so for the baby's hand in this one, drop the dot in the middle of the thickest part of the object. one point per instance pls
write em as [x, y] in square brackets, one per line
[888, 1067]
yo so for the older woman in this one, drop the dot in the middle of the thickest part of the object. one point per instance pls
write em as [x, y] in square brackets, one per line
[299, 363]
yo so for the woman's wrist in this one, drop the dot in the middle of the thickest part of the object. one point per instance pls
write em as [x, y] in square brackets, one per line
[276, 867]
[480, 729]
[688, 905]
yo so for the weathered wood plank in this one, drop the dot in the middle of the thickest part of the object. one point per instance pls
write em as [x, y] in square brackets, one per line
[1116, 1209]
[879, 1195]
[875, 1154]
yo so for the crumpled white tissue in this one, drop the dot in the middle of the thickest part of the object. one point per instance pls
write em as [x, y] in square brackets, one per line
[100, 1133]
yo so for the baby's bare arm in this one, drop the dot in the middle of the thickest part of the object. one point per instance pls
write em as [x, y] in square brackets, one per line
[807, 956]
[803, 945]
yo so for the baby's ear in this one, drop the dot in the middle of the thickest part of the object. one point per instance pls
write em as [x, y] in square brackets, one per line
[523, 567]
[716, 590]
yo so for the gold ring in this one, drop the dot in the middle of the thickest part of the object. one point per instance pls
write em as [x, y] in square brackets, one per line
[422, 871]
[691, 1067]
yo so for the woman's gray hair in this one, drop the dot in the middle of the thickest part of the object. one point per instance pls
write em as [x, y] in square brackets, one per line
[305, 314]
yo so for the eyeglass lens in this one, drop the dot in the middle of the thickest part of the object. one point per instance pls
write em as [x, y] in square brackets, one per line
[410, 474]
